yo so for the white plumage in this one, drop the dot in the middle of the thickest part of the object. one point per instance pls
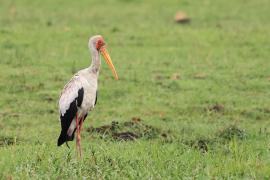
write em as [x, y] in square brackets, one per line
[69, 93]
[82, 80]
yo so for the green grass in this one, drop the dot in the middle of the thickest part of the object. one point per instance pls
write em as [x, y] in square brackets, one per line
[222, 57]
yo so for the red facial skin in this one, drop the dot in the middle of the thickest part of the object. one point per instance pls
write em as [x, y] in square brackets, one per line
[100, 43]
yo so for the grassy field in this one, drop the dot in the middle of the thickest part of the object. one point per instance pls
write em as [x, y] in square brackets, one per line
[202, 88]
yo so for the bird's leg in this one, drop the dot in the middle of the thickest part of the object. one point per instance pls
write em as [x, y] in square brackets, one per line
[77, 133]
[81, 123]
[80, 128]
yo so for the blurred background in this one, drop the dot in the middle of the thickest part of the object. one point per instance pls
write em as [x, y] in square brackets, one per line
[193, 68]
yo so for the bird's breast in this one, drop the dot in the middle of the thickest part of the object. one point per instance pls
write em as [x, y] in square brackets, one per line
[89, 98]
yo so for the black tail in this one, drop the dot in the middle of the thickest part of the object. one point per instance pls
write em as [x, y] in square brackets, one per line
[62, 139]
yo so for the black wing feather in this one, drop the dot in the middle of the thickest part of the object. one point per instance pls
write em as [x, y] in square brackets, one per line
[80, 97]
[67, 118]
[96, 97]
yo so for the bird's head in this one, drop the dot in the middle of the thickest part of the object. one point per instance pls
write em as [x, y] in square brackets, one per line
[97, 43]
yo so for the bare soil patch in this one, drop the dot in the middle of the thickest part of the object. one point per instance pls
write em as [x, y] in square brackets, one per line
[129, 130]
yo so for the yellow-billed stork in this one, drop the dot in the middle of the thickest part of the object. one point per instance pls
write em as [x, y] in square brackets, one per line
[79, 95]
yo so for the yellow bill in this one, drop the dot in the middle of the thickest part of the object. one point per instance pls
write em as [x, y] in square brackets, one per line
[108, 60]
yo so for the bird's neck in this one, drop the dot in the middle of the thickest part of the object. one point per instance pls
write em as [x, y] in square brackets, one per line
[95, 65]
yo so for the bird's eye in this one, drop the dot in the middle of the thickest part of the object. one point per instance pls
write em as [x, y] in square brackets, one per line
[99, 44]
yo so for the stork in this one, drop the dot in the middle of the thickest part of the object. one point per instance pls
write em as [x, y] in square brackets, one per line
[79, 95]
